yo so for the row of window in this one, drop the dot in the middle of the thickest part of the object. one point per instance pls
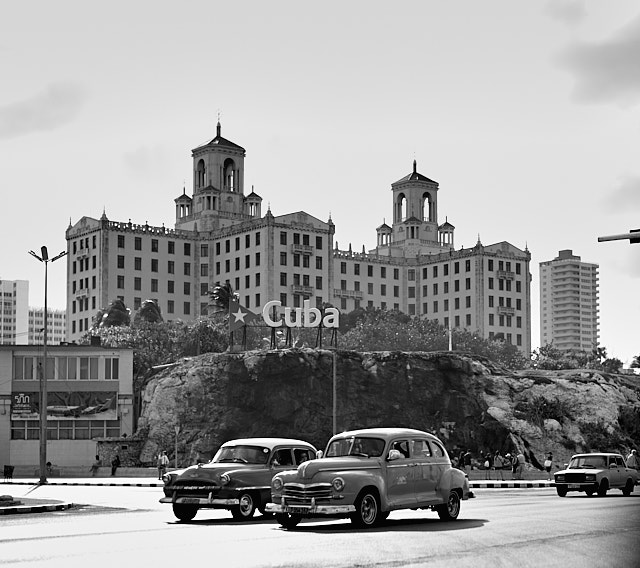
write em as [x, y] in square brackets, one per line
[83, 243]
[155, 245]
[503, 266]
[27, 368]
[65, 429]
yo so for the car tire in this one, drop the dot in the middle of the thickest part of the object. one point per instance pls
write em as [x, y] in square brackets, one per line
[288, 521]
[246, 507]
[451, 509]
[590, 491]
[367, 510]
[603, 488]
[184, 512]
[628, 488]
[561, 491]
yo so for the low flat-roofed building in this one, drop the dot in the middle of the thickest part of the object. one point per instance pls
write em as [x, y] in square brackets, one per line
[89, 396]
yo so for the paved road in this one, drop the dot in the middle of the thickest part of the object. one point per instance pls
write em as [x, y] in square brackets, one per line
[126, 526]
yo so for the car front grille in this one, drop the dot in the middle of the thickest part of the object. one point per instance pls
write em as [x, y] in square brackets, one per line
[195, 487]
[574, 477]
[297, 494]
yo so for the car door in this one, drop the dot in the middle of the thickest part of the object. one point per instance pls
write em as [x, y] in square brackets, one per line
[425, 477]
[617, 474]
[401, 474]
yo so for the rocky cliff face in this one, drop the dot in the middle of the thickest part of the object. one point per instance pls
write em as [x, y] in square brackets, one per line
[468, 402]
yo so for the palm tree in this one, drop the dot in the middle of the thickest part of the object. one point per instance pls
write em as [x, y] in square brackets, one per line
[221, 295]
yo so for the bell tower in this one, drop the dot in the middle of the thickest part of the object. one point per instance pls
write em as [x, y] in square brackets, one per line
[415, 209]
[218, 185]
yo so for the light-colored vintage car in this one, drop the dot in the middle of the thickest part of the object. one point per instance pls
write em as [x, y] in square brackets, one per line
[596, 473]
[238, 477]
[366, 474]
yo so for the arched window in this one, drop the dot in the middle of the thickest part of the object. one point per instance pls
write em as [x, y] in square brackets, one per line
[400, 212]
[229, 175]
[200, 174]
[427, 207]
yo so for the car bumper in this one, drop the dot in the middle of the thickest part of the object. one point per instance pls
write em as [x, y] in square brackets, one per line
[577, 486]
[308, 510]
[202, 502]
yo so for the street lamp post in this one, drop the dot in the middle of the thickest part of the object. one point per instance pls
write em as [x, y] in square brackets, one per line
[44, 257]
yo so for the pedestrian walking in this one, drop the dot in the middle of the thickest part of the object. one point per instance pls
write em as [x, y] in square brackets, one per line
[95, 466]
[513, 461]
[115, 464]
[520, 465]
[163, 462]
[467, 461]
[488, 465]
[632, 461]
[498, 465]
[548, 464]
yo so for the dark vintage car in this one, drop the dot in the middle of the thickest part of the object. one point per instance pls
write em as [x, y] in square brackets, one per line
[596, 473]
[366, 474]
[238, 477]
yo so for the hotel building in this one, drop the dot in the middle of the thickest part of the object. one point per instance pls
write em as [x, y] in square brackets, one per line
[220, 235]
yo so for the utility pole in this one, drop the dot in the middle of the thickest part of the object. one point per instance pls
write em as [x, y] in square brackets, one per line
[44, 257]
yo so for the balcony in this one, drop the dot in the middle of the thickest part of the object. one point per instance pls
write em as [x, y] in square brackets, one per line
[302, 290]
[297, 248]
[82, 293]
[356, 294]
[506, 275]
[506, 311]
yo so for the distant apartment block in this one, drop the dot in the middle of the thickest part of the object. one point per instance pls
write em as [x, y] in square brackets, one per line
[14, 315]
[56, 325]
[22, 325]
[569, 312]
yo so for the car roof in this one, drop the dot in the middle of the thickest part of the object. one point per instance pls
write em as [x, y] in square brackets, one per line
[607, 454]
[268, 442]
[386, 433]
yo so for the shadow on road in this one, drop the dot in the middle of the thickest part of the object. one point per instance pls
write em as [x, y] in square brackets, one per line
[345, 525]
[397, 525]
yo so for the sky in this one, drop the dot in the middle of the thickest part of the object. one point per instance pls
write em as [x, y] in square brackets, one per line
[527, 114]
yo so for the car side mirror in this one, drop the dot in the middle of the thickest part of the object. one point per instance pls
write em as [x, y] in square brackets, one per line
[394, 455]
[319, 454]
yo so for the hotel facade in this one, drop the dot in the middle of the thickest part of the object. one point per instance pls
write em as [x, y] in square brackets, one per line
[221, 235]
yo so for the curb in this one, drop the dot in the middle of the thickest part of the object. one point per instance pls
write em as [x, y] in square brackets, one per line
[89, 484]
[22, 509]
[510, 484]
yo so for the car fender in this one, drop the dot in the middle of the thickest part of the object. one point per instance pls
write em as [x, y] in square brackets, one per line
[452, 479]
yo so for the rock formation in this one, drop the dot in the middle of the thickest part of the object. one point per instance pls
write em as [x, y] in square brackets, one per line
[467, 401]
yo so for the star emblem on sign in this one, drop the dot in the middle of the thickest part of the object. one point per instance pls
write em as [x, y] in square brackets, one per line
[239, 316]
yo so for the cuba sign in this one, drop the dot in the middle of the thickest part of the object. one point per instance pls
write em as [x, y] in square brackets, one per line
[304, 317]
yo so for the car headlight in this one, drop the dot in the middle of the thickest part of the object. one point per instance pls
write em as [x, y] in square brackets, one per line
[168, 478]
[560, 478]
[338, 484]
[276, 484]
[224, 479]
[590, 477]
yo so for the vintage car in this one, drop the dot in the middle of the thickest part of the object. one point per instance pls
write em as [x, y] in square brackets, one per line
[366, 474]
[597, 472]
[238, 477]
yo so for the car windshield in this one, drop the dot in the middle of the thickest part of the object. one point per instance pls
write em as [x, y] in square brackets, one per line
[588, 462]
[356, 446]
[242, 454]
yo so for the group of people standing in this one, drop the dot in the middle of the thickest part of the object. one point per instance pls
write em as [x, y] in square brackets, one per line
[496, 462]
